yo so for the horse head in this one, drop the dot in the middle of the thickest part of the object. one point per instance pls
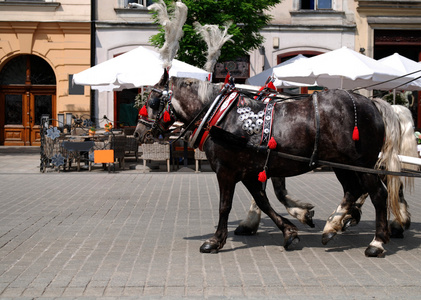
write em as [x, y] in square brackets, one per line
[156, 116]
[173, 99]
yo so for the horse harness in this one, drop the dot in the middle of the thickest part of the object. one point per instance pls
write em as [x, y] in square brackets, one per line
[218, 110]
[252, 123]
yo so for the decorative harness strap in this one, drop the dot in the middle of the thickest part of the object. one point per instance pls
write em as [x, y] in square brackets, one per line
[198, 133]
[267, 123]
[216, 115]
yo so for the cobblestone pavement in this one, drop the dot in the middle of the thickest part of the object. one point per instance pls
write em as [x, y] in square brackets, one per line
[129, 235]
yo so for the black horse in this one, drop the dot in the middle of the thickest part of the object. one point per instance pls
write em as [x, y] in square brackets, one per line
[319, 127]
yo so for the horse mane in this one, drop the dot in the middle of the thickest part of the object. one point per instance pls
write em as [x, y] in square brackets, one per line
[205, 90]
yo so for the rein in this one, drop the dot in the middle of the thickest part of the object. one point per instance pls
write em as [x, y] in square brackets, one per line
[192, 123]
[232, 140]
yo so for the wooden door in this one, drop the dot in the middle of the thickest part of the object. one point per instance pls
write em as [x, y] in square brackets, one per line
[42, 102]
[27, 91]
[22, 114]
[13, 119]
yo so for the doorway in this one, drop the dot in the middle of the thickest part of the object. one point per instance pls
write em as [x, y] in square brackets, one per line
[27, 91]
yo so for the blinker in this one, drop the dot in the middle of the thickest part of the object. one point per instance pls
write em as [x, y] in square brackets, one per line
[154, 103]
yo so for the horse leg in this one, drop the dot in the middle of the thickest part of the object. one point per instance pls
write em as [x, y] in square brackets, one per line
[353, 216]
[396, 228]
[378, 194]
[250, 224]
[288, 229]
[299, 210]
[352, 192]
[226, 184]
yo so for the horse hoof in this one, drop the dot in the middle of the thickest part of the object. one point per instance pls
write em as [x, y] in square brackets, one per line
[293, 239]
[244, 230]
[326, 237]
[209, 247]
[372, 251]
[309, 218]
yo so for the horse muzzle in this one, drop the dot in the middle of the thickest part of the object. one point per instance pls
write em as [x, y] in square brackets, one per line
[148, 137]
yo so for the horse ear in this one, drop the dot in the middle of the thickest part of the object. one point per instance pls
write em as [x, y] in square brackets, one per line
[164, 78]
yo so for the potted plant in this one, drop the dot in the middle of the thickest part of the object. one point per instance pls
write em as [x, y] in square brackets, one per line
[141, 99]
[108, 127]
[92, 131]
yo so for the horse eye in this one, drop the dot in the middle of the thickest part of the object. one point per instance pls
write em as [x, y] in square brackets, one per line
[154, 103]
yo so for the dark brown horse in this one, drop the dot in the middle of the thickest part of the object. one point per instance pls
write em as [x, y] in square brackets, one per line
[324, 122]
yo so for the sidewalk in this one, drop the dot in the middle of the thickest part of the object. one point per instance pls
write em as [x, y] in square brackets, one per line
[27, 160]
[130, 235]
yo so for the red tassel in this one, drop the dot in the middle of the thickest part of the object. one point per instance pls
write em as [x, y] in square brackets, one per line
[355, 134]
[143, 111]
[271, 86]
[167, 117]
[272, 143]
[262, 176]
[227, 78]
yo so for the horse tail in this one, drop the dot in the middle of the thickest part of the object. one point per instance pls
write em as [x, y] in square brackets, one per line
[389, 158]
[408, 145]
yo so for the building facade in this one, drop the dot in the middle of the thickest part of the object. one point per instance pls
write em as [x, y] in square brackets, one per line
[121, 26]
[42, 43]
[305, 27]
[387, 27]
[51, 40]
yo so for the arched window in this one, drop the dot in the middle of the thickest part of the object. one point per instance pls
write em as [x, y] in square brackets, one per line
[27, 69]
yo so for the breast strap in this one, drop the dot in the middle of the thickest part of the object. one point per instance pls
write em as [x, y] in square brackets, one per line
[216, 117]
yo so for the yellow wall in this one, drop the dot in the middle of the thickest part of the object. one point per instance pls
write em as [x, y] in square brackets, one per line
[64, 45]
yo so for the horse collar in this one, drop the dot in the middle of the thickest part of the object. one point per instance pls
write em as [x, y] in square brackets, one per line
[216, 113]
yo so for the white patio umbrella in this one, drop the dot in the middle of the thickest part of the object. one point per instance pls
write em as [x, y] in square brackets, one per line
[136, 68]
[405, 66]
[261, 78]
[341, 68]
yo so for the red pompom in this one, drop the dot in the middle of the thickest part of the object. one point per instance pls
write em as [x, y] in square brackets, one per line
[262, 176]
[143, 111]
[355, 134]
[272, 143]
[167, 117]
[271, 86]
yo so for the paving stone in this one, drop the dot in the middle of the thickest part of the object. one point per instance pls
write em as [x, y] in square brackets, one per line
[129, 234]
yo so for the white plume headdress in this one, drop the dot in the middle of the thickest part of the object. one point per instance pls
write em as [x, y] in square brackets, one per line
[173, 26]
[215, 39]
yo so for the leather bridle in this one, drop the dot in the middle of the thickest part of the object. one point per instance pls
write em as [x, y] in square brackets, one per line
[158, 125]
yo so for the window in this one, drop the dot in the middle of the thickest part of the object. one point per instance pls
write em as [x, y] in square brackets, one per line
[28, 1]
[133, 3]
[14, 72]
[316, 4]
